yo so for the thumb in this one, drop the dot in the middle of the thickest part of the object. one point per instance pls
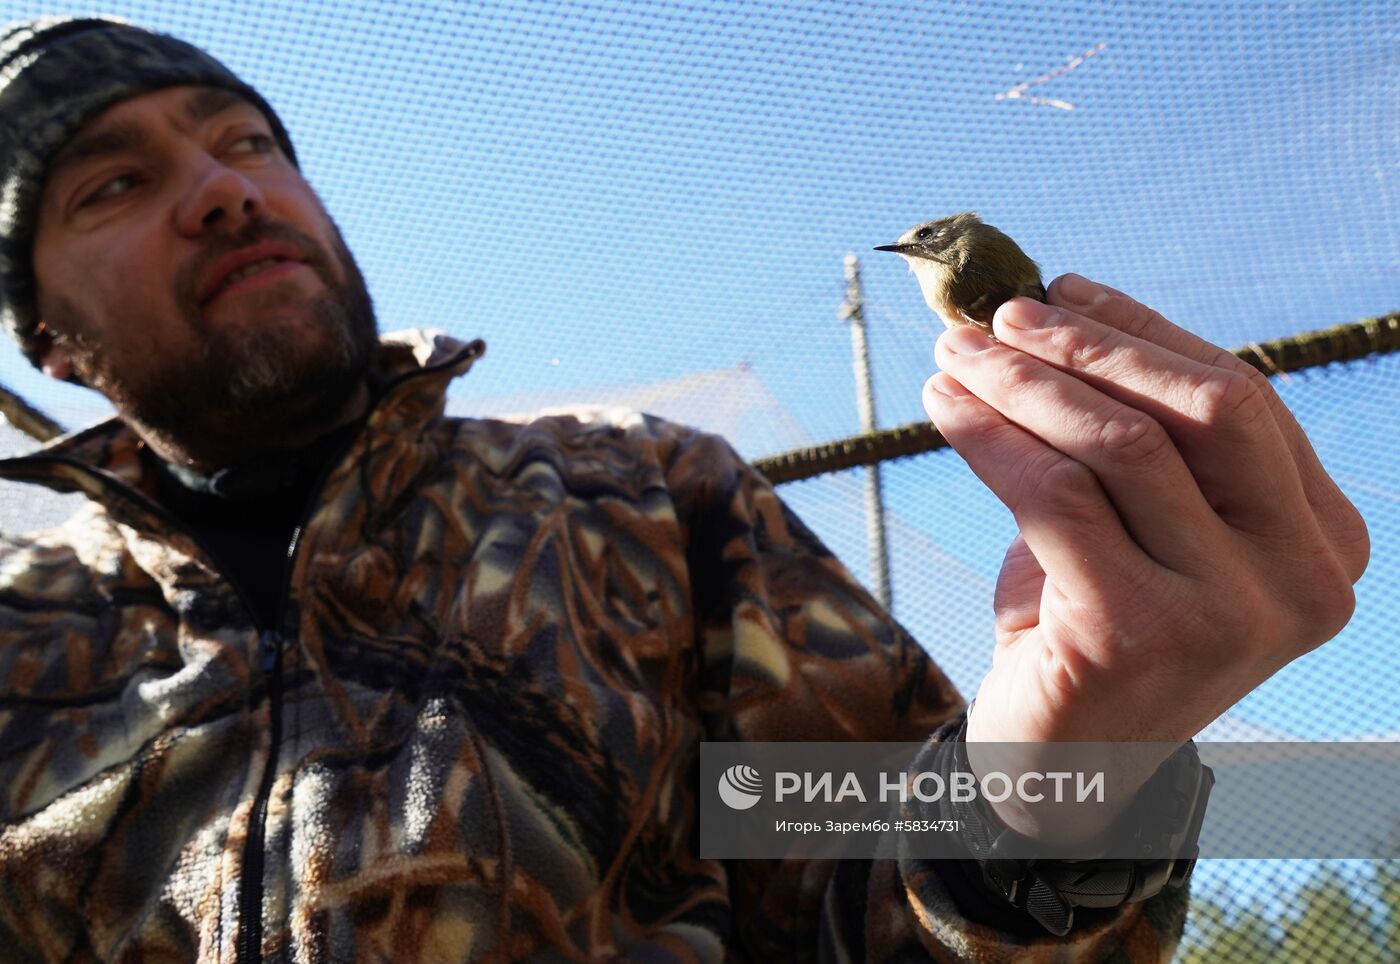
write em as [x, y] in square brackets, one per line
[1019, 586]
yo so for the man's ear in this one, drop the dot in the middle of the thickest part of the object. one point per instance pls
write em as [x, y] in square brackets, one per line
[54, 360]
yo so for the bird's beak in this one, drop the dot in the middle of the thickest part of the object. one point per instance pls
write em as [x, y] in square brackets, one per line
[896, 248]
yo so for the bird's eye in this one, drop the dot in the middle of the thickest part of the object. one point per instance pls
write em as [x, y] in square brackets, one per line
[922, 234]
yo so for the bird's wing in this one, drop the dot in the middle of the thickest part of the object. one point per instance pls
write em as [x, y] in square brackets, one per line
[1035, 291]
[977, 296]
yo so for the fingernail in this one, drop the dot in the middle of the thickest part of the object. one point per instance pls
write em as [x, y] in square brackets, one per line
[945, 385]
[1024, 313]
[965, 340]
[1078, 291]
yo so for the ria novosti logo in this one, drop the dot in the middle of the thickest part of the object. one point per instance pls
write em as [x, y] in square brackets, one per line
[740, 787]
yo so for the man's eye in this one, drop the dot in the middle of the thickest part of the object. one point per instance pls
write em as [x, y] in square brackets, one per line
[110, 188]
[254, 144]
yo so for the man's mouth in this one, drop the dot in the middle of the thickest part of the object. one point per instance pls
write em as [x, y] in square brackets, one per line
[253, 268]
[256, 274]
[250, 267]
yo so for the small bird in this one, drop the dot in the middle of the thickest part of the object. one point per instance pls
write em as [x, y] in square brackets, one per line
[967, 268]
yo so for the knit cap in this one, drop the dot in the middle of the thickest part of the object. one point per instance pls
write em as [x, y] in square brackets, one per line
[56, 73]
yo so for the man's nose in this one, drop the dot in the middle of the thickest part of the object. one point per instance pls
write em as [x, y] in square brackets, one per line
[219, 198]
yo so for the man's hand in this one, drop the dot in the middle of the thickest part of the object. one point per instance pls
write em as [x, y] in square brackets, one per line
[1179, 540]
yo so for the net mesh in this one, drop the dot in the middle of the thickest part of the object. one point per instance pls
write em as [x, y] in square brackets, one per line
[648, 204]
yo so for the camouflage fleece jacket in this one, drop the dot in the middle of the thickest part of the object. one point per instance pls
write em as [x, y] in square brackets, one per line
[472, 733]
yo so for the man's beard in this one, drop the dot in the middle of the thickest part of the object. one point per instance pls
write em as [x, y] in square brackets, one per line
[251, 379]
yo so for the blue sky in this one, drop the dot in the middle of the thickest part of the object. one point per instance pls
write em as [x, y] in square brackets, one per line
[614, 194]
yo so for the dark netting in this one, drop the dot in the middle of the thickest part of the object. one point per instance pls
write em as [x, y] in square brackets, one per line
[648, 205]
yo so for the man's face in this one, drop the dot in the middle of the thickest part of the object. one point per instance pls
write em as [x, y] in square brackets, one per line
[149, 217]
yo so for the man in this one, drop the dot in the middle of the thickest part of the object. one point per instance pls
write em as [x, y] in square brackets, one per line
[321, 674]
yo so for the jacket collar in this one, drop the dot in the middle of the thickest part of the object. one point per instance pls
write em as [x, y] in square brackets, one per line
[417, 365]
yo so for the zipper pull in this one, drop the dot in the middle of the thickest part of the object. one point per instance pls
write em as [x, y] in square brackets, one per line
[269, 648]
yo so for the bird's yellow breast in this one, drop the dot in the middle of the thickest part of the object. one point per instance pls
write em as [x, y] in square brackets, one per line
[935, 281]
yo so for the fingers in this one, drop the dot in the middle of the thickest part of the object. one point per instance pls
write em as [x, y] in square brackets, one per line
[1338, 518]
[1215, 419]
[1119, 446]
[1063, 514]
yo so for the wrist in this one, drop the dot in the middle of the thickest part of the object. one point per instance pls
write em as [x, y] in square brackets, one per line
[1060, 820]
[1047, 882]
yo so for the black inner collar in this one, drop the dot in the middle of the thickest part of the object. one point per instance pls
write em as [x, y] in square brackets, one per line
[247, 513]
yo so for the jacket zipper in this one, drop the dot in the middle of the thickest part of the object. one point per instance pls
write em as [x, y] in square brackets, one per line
[270, 645]
[250, 929]
[250, 894]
